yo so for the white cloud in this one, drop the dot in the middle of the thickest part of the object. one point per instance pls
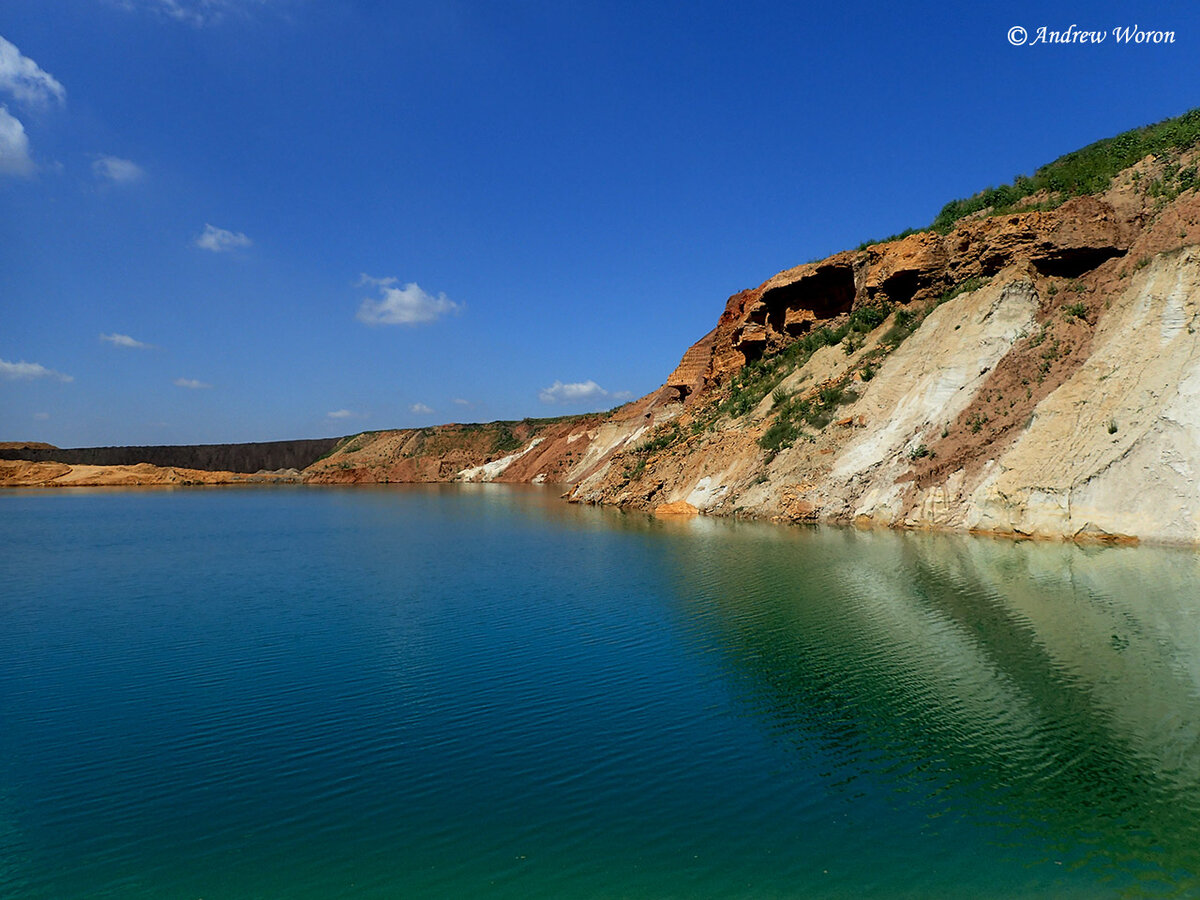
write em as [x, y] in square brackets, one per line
[124, 340]
[219, 240]
[121, 171]
[195, 12]
[14, 146]
[191, 384]
[459, 401]
[345, 414]
[24, 80]
[41, 416]
[28, 371]
[420, 409]
[403, 306]
[574, 392]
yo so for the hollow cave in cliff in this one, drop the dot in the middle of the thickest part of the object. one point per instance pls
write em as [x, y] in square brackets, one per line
[1073, 262]
[900, 287]
[829, 291]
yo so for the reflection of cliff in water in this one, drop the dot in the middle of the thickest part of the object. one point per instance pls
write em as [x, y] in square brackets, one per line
[1047, 689]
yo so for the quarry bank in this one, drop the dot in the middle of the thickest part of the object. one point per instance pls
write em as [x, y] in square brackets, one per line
[1027, 366]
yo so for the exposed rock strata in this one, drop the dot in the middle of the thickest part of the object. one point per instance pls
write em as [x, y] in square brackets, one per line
[1056, 396]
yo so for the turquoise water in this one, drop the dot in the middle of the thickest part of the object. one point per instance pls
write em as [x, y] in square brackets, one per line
[483, 691]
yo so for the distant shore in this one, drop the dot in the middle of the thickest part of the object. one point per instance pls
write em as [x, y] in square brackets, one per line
[24, 473]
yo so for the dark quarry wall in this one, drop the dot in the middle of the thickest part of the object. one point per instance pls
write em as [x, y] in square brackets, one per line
[209, 457]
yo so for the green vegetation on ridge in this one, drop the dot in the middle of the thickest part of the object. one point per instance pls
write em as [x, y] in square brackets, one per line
[1089, 170]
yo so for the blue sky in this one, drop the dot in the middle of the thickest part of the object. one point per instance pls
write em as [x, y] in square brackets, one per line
[240, 220]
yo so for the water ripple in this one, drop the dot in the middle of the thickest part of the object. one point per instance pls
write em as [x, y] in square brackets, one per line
[445, 693]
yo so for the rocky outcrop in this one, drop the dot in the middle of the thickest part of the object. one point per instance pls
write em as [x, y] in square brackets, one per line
[678, 509]
[1066, 242]
[691, 375]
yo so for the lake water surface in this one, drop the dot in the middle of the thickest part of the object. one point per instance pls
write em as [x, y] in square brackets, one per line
[483, 691]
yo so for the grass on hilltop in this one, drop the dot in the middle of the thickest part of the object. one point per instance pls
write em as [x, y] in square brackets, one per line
[1089, 170]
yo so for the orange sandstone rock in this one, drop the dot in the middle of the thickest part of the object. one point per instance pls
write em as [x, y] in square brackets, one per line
[678, 509]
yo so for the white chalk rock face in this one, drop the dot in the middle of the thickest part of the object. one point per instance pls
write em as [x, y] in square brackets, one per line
[931, 378]
[1116, 449]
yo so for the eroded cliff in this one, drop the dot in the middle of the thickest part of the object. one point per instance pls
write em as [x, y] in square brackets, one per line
[1031, 373]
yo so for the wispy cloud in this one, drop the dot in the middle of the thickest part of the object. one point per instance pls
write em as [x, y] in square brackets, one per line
[125, 341]
[420, 409]
[195, 12]
[25, 81]
[191, 384]
[408, 305]
[345, 414]
[579, 392]
[117, 170]
[41, 416]
[14, 146]
[219, 240]
[27, 371]
[459, 401]
[29, 85]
